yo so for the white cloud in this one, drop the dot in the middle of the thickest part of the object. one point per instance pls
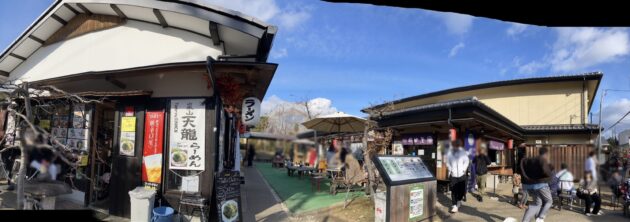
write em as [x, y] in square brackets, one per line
[291, 17]
[268, 10]
[577, 49]
[457, 24]
[279, 53]
[456, 49]
[613, 111]
[515, 29]
[260, 9]
[531, 67]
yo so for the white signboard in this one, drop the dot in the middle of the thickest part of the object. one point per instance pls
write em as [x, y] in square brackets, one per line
[416, 201]
[251, 111]
[190, 184]
[187, 134]
[380, 211]
[397, 148]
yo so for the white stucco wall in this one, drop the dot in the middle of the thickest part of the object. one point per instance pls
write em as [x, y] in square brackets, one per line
[134, 44]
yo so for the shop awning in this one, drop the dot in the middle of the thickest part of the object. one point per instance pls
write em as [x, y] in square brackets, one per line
[469, 112]
[108, 94]
[269, 136]
[253, 77]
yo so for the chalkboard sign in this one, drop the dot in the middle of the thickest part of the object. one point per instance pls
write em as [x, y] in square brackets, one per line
[228, 190]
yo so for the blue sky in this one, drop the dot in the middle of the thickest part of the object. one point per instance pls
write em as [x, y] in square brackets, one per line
[357, 55]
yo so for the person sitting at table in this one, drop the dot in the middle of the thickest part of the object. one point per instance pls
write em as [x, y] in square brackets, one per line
[589, 193]
[330, 156]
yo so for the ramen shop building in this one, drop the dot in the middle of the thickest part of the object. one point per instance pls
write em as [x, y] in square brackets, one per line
[172, 77]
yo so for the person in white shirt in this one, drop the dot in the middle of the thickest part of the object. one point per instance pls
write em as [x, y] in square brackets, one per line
[591, 165]
[565, 179]
[457, 162]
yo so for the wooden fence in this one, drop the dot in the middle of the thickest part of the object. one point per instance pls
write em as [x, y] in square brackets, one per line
[573, 155]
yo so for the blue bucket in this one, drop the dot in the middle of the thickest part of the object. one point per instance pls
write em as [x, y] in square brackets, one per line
[162, 214]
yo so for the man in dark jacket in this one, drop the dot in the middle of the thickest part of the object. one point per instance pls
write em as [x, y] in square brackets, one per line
[481, 162]
[251, 153]
[536, 176]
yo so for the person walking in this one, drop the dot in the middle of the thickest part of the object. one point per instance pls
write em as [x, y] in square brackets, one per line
[251, 153]
[536, 176]
[589, 193]
[481, 162]
[591, 165]
[457, 162]
[521, 154]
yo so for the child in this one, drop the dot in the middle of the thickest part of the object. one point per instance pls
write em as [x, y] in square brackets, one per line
[517, 189]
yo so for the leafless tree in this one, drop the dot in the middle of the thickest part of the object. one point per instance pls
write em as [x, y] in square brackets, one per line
[19, 100]
[381, 139]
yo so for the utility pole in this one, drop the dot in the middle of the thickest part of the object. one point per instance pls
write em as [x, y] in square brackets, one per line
[599, 135]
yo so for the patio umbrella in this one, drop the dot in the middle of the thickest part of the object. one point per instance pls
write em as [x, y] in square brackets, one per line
[340, 123]
[336, 123]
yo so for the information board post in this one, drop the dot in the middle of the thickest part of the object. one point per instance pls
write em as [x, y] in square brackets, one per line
[411, 188]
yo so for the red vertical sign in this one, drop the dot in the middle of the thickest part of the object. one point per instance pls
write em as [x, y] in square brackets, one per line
[153, 144]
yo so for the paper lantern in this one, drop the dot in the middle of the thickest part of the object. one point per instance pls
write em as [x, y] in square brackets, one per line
[453, 134]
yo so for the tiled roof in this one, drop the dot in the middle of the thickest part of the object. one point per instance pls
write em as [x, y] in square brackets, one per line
[560, 127]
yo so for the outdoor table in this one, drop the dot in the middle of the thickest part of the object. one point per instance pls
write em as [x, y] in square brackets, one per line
[302, 170]
[46, 192]
[494, 182]
[291, 169]
[333, 172]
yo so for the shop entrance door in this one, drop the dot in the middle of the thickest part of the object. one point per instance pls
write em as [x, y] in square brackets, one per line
[428, 154]
[127, 155]
[101, 157]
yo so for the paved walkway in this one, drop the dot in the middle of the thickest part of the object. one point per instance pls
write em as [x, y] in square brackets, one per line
[260, 204]
[8, 202]
[498, 209]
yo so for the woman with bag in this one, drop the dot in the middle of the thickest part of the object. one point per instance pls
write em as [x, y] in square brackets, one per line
[589, 193]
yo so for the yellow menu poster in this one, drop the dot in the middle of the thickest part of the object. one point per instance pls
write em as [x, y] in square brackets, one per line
[128, 124]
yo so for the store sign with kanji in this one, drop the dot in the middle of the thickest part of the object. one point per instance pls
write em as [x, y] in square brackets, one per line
[187, 134]
[251, 111]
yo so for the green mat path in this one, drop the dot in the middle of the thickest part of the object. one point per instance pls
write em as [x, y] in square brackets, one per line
[297, 194]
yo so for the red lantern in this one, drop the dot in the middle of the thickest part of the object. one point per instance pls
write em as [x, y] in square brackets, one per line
[453, 134]
[510, 144]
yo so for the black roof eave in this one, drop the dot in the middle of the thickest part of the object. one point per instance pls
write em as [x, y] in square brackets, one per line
[470, 108]
[587, 76]
[478, 110]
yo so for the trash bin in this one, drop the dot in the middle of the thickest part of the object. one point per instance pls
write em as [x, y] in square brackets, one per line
[142, 200]
[162, 214]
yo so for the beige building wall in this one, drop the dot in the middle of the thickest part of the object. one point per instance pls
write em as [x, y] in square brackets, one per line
[527, 104]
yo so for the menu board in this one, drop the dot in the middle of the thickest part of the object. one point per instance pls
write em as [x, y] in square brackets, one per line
[416, 201]
[402, 168]
[77, 135]
[228, 190]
